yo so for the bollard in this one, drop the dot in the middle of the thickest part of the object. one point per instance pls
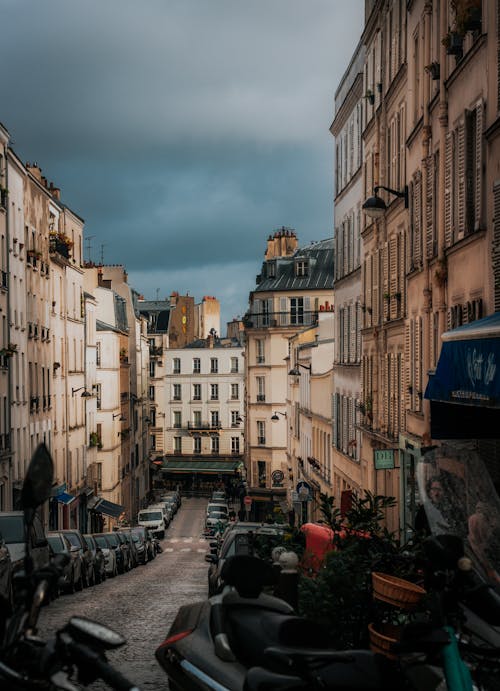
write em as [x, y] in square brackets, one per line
[288, 581]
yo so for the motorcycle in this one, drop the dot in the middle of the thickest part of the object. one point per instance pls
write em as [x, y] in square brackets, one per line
[78, 649]
[245, 639]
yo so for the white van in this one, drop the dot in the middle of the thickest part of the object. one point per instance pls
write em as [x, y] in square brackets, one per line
[152, 519]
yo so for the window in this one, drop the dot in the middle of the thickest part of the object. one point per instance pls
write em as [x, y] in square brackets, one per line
[196, 365]
[301, 267]
[98, 396]
[176, 365]
[261, 388]
[214, 365]
[177, 445]
[196, 444]
[177, 417]
[152, 417]
[261, 432]
[153, 442]
[98, 353]
[214, 392]
[234, 364]
[152, 368]
[271, 269]
[235, 444]
[176, 389]
[197, 419]
[151, 393]
[214, 418]
[235, 414]
[296, 310]
[214, 444]
[235, 392]
[259, 346]
[196, 392]
[262, 472]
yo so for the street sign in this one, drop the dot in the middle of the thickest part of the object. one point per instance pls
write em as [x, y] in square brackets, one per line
[247, 501]
[384, 459]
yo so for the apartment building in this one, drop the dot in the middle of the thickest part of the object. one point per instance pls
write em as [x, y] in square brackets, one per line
[347, 128]
[293, 286]
[204, 409]
[6, 352]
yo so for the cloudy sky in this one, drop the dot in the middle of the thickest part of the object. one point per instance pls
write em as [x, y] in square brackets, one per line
[182, 131]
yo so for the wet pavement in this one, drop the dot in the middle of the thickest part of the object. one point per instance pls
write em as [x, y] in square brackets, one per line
[142, 604]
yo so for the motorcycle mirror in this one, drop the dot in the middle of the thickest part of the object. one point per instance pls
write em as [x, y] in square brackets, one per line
[92, 632]
[38, 481]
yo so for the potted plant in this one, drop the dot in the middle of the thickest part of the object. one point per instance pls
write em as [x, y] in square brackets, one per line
[453, 42]
[387, 296]
[468, 15]
[93, 439]
[434, 70]
[370, 96]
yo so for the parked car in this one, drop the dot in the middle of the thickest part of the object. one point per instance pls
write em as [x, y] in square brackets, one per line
[72, 577]
[109, 554]
[168, 510]
[132, 546]
[222, 507]
[99, 560]
[174, 496]
[237, 540]
[147, 537]
[140, 545]
[77, 540]
[219, 496]
[215, 522]
[115, 543]
[152, 519]
[6, 586]
[126, 549]
[13, 533]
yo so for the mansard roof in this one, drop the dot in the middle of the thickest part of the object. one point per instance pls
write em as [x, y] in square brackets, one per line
[320, 273]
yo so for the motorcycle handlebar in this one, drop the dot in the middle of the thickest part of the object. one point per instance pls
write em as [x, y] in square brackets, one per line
[86, 658]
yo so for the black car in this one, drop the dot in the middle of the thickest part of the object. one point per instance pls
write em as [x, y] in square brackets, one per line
[76, 539]
[141, 548]
[99, 560]
[121, 558]
[72, 576]
[146, 536]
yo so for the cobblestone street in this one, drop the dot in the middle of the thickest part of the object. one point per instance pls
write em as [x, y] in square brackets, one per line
[142, 604]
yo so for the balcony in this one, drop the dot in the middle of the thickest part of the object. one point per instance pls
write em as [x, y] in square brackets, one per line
[155, 351]
[204, 426]
[258, 320]
[60, 244]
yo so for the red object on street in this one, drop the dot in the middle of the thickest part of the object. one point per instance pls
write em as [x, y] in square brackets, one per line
[247, 501]
[320, 539]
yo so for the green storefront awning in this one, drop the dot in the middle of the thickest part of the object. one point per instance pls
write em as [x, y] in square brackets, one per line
[187, 466]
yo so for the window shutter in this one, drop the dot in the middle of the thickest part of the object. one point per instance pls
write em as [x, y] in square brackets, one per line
[352, 335]
[417, 219]
[375, 295]
[407, 378]
[358, 332]
[345, 423]
[368, 290]
[345, 336]
[393, 275]
[393, 394]
[418, 361]
[401, 270]
[385, 392]
[283, 311]
[334, 419]
[307, 311]
[447, 191]
[429, 208]
[478, 192]
[385, 280]
[461, 192]
[496, 243]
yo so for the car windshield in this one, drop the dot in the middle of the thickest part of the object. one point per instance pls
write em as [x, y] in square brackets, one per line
[101, 541]
[90, 541]
[150, 516]
[217, 507]
[57, 544]
[212, 510]
[12, 529]
[218, 514]
[136, 537]
[139, 531]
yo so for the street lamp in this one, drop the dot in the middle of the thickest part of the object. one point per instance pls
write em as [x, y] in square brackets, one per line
[120, 416]
[375, 207]
[295, 372]
[239, 418]
[275, 417]
[85, 394]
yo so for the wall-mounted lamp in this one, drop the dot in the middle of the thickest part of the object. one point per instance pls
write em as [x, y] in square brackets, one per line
[375, 207]
[119, 416]
[295, 372]
[239, 418]
[275, 416]
[85, 394]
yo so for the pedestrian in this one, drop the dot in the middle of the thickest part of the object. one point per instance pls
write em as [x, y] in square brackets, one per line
[429, 517]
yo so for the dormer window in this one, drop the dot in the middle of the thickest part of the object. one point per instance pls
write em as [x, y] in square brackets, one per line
[271, 269]
[301, 267]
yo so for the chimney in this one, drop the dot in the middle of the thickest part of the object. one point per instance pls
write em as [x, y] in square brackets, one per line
[55, 191]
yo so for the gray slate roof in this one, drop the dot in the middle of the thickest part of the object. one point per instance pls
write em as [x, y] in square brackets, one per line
[320, 275]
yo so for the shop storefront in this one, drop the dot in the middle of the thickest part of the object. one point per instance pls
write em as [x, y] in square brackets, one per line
[201, 476]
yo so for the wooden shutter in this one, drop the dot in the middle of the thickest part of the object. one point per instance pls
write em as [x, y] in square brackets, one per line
[418, 362]
[429, 208]
[307, 310]
[393, 275]
[496, 243]
[407, 365]
[283, 311]
[417, 219]
[369, 290]
[478, 192]
[447, 191]
[461, 191]
[385, 392]
[375, 288]
[358, 332]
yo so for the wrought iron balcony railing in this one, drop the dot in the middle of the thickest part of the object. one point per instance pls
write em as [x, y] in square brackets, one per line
[260, 320]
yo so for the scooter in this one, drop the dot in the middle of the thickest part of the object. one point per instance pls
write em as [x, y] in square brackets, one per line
[78, 649]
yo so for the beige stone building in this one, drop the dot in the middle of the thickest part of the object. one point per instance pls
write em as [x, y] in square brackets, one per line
[293, 286]
[6, 352]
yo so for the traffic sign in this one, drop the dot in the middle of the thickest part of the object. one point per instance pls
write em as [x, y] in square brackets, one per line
[247, 501]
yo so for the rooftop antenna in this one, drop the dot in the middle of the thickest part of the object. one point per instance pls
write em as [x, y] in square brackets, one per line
[102, 254]
[89, 244]
[157, 294]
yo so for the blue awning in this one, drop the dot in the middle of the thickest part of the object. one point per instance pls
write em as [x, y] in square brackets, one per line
[468, 371]
[65, 498]
[108, 508]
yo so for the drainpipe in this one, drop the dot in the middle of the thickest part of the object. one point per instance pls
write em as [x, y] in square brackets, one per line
[440, 291]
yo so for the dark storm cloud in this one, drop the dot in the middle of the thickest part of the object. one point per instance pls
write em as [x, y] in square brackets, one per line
[183, 131]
